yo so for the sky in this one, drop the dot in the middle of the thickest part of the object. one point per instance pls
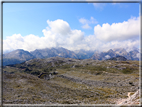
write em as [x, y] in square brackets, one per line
[74, 26]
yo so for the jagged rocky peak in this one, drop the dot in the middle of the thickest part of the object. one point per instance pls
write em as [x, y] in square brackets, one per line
[23, 55]
[110, 51]
[53, 52]
[134, 51]
[120, 51]
[132, 55]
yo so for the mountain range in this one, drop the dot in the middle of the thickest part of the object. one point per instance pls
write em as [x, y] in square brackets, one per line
[20, 55]
[132, 55]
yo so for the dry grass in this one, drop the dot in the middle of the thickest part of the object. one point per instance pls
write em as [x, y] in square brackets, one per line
[22, 87]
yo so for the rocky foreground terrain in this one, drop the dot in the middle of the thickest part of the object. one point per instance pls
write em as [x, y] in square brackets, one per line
[133, 99]
[59, 80]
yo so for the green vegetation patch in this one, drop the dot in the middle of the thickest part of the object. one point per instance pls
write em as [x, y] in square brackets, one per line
[127, 71]
[95, 68]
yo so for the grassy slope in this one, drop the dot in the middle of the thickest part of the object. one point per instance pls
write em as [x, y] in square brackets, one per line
[89, 82]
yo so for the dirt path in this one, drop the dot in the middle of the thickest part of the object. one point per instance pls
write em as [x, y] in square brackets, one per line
[131, 100]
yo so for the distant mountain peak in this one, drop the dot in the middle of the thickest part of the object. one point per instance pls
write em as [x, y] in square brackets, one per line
[132, 55]
[22, 55]
[16, 56]
[110, 51]
[19, 50]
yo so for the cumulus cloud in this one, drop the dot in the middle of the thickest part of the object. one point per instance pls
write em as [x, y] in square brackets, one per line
[118, 31]
[59, 34]
[86, 22]
[59, 26]
[93, 43]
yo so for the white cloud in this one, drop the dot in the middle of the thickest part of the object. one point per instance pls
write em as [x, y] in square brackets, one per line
[86, 22]
[59, 26]
[92, 20]
[118, 31]
[13, 42]
[59, 34]
[83, 20]
[86, 26]
[94, 43]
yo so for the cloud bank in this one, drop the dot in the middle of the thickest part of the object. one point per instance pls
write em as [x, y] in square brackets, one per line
[118, 31]
[59, 34]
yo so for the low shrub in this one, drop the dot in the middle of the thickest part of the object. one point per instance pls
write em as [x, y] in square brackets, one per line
[35, 72]
[96, 68]
[127, 71]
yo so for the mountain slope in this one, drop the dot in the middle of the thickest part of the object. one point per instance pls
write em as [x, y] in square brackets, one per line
[103, 55]
[17, 56]
[82, 54]
[132, 55]
[20, 55]
[53, 52]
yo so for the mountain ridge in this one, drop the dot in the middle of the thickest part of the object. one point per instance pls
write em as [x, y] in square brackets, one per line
[20, 55]
[16, 56]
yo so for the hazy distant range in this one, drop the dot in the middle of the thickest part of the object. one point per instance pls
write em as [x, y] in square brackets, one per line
[20, 55]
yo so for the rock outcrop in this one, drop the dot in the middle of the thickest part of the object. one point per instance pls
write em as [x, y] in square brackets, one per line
[118, 58]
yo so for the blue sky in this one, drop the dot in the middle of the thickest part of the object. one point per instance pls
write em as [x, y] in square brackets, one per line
[74, 26]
